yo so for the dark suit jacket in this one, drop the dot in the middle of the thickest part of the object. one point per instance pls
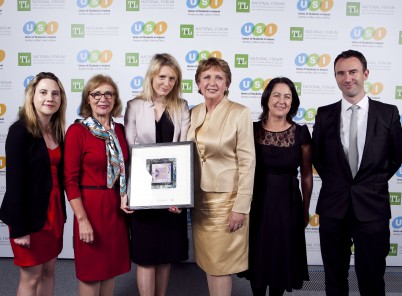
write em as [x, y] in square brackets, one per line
[28, 182]
[382, 156]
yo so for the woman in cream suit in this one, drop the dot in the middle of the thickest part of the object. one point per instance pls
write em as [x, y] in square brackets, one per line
[158, 115]
[223, 133]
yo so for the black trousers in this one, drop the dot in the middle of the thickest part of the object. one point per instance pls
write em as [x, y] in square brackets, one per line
[371, 247]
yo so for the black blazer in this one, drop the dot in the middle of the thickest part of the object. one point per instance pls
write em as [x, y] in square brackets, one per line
[382, 156]
[28, 182]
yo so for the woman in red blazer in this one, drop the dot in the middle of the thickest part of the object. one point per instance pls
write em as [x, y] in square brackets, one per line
[94, 178]
[34, 206]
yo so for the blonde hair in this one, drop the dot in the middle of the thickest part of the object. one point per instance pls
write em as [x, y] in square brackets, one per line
[215, 63]
[96, 81]
[173, 100]
[57, 124]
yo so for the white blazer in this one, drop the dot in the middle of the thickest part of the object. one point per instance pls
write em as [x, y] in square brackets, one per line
[139, 122]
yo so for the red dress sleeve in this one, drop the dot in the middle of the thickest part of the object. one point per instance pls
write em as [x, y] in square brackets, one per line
[73, 153]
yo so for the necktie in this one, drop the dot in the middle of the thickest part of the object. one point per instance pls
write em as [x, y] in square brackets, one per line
[353, 153]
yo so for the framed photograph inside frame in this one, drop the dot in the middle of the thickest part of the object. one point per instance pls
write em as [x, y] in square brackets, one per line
[161, 175]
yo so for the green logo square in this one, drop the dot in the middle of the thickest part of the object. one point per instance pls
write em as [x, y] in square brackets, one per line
[186, 31]
[400, 37]
[132, 59]
[298, 87]
[393, 250]
[77, 30]
[395, 198]
[296, 33]
[241, 60]
[187, 86]
[132, 5]
[77, 85]
[242, 5]
[24, 59]
[24, 5]
[398, 92]
[352, 8]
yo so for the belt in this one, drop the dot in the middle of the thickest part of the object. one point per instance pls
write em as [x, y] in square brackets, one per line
[95, 187]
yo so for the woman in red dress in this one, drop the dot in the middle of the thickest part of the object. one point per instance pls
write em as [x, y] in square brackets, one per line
[95, 182]
[33, 206]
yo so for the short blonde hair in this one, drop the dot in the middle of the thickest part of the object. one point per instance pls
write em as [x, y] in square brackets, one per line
[96, 81]
[57, 123]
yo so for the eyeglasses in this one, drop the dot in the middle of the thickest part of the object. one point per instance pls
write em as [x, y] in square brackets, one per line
[97, 96]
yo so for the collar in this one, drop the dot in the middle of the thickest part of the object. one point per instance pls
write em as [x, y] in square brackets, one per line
[363, 104]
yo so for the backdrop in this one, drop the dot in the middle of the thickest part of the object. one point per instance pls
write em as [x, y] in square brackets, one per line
[259, 39]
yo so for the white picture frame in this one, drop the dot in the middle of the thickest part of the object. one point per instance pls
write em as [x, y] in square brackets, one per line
[161, 175]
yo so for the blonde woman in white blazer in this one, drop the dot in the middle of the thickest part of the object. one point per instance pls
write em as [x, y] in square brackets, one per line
[223, 133]
[140, 122]
[157, 115]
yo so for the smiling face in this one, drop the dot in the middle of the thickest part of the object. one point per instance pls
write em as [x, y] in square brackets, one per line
[164, 82]
[350, 77]
[279, 101]
[102, 107]
[47, 98]
[212, 84]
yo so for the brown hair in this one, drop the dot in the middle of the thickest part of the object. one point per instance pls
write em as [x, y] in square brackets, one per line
[216, 63]
[352, 54]
[57, 122]
[96, 81]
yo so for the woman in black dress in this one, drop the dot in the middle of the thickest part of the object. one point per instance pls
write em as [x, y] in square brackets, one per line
[279, 211]
[158, 115]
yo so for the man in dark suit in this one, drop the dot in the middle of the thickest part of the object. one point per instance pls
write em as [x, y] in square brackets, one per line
[355, 153]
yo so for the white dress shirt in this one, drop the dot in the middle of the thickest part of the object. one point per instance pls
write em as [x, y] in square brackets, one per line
[362, 114]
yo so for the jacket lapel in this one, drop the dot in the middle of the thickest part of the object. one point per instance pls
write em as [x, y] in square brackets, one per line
[219, 117]
[339, 147]
[371, 123]
[200, 116]
[149, 114]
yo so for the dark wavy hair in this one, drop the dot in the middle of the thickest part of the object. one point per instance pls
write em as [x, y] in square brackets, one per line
[267, 93]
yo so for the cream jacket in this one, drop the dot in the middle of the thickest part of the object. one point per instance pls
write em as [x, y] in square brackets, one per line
[228, 162]
[139, 122]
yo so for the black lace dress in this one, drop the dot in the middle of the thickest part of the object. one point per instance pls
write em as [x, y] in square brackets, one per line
[277, 241]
